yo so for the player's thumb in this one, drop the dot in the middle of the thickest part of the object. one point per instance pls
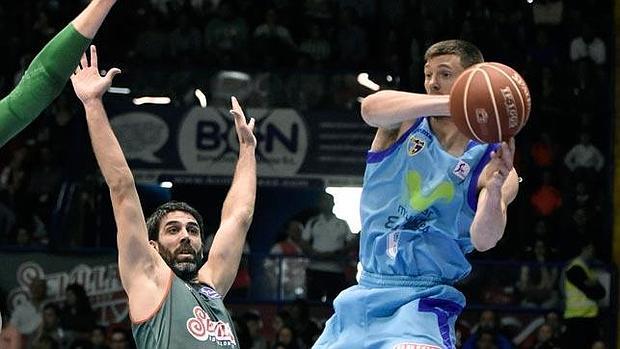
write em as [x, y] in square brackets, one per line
[112, 73]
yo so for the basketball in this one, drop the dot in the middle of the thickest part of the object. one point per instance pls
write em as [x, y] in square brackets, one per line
[490, 102]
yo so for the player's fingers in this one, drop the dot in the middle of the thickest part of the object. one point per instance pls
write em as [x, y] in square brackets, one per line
[93, 56]
[84, 61]
[235, 105]
[251, 124]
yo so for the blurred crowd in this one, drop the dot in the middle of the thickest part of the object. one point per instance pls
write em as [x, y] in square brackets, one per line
[307, 55]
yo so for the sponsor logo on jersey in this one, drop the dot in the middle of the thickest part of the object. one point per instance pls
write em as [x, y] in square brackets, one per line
[421, 197]
[415, 346]
[209, 293]
[415, 145]
[204, 329]
[461, 169]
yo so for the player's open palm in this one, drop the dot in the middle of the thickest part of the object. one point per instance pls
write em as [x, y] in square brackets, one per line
[245, 130]
[500, 165]
[88, 82]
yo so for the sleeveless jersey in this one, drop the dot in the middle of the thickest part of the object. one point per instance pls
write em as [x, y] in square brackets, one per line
[417, 205]
[190, 316]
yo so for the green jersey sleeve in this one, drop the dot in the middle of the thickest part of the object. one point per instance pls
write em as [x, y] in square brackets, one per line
[42, 82]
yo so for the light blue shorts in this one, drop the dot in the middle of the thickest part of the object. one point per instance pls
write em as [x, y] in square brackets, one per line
[412, 314]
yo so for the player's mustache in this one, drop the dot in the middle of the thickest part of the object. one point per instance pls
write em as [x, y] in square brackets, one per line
[185, 248]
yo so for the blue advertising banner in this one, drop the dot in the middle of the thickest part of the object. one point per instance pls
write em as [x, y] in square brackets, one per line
[176, 142]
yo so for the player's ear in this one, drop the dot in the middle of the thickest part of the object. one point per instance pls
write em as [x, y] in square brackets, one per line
[154, 244]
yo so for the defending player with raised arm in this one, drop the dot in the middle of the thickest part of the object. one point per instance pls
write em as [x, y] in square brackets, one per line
[430, 196]
[172, 303]
[48, 73]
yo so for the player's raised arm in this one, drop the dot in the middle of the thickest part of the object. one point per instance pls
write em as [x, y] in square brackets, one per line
[138, 261]
[221, 267]
[48, 73]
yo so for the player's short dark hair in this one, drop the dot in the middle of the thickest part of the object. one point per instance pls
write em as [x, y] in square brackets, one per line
[154, 220]
[467, 52]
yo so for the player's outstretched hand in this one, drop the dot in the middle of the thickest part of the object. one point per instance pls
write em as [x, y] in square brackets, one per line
[245, 130]
[500, 165]
[87, 82]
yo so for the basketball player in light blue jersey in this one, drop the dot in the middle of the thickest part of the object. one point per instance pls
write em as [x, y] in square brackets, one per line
[430, 196]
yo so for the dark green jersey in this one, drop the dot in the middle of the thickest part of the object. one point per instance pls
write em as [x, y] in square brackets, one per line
[190, 316]
[42, 82]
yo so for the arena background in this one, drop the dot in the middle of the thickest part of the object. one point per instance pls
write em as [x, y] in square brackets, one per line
[304, 89]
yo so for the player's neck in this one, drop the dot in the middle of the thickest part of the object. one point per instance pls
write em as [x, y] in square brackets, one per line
[450, 138]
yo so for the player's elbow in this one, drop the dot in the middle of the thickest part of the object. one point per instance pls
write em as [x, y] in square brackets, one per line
[369, 108]
[122, 183]
[483, 244]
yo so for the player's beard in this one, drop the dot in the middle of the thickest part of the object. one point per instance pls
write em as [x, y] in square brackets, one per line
[186, 269]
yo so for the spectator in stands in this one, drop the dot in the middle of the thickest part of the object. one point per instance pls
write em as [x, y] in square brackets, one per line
[325, 239]
[27, 315]
[485, 334]
[289, 272]
[351, 48]
[547, 198]
[98, 338]
[77, 313]
[273, 41]
[486, 339]
[52, 328]
[545, 338]
[543, 151]
[121, 339]
[537, 283]
[316, 46]
[588, 46]
[286, 339]
[254, 324]
[185, 40]
[582, 291]
[584, 158]
[226, 36]
[304, 327]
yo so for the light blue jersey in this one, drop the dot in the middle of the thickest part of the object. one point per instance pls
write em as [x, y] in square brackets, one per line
[417, 206]
[418, 203]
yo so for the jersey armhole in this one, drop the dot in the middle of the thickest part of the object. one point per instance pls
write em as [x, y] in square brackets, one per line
[158, 308]
[374, 157]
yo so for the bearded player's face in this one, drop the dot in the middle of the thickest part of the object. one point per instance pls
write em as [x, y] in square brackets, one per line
[180, 244]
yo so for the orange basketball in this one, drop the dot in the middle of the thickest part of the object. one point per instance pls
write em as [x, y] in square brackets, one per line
[490, 102]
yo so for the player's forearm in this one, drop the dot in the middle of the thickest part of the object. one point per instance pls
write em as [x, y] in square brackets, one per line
[489, 222]
[388, 109]
[237, 212]
[107, 150]
[239, 203]
[89, 21]
[42, 82]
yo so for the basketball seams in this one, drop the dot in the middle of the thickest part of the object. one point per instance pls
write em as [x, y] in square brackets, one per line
[492, 93]
[465, 95]
[518, 89]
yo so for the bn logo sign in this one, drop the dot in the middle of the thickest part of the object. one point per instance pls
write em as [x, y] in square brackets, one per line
[208, 141]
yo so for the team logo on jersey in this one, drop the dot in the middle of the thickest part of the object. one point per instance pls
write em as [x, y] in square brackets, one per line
[204, 329]
[461, 169]
[415, 346]
[420, 200]
[209, 293]
[415, 145]
[392, 244]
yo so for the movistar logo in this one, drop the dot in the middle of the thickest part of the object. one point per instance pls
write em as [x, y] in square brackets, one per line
[418, 200]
